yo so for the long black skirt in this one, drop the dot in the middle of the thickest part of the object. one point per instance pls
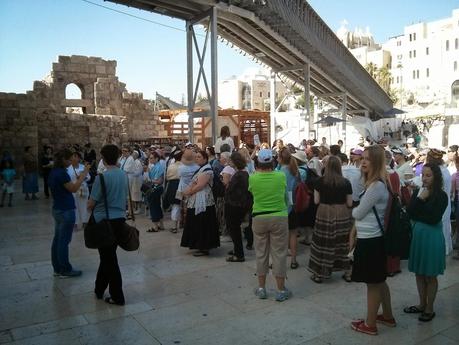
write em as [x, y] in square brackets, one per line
[169, 194]
[201, 231]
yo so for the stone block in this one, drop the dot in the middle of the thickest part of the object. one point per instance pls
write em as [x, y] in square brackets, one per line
[100, 69]
[80, 59]
[95, 60]
[63, 59]
[57, 66]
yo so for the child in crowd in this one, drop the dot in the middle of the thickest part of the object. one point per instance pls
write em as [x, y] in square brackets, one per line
[8, 174]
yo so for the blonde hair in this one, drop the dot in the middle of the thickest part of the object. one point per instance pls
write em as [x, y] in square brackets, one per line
[377, 158]
[245, 154]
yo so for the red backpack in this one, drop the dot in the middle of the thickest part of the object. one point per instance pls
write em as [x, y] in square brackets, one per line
[303, 194]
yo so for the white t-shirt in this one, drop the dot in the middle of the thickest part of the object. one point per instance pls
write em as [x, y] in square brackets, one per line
[220, 142]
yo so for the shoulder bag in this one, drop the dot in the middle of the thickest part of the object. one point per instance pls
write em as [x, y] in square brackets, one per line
[128, 238]
[98, 235]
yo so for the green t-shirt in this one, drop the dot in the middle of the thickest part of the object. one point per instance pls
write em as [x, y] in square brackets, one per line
[269, 193]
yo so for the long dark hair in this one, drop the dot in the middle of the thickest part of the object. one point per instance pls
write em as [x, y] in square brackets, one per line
[437, 185]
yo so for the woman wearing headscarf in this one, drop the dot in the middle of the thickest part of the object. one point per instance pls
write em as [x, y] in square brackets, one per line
[201, 230]
[154, 173]
[173, 181]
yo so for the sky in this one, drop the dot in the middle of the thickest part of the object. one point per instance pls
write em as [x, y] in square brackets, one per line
[152, 57]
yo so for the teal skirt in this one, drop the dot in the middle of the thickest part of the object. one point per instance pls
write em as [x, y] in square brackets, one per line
[427, 252]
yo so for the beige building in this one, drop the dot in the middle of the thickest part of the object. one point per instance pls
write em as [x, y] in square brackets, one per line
[251, 91]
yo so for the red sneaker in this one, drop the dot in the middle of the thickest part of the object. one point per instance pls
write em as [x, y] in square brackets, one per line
[362, 327]
[387, 322]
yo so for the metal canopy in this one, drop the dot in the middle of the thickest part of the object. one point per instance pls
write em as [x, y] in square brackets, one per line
[285, 35]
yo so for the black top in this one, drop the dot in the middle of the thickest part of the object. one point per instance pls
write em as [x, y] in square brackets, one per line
[237, 192]
[89, 156]
[429, 211]
[333, 194]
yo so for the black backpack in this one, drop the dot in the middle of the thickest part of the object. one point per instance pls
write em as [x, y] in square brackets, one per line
[218, 188]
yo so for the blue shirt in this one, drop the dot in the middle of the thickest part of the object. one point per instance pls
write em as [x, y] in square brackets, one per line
[116, 185]
[62, 198]
[156, 172]
[8, 175]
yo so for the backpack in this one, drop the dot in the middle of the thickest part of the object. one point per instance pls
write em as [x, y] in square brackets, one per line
[398, 232]
[303, 194]
[218, 188]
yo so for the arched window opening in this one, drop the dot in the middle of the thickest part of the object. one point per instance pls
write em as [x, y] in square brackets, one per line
[74, 92]
[455, 93]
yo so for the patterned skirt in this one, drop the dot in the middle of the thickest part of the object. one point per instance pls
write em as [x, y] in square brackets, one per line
[330, 240]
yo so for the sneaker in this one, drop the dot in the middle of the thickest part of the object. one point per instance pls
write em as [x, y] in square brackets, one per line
[387, 322]
[362, 327]
[283, 295]
[70, 274]
[261, 293]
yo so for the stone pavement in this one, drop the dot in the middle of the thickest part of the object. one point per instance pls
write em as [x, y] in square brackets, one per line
[175, 298]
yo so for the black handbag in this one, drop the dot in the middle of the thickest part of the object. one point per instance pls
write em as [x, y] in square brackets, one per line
[98, 235]
[128, 238]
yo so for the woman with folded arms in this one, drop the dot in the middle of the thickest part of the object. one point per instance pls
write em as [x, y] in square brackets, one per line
[427, 252]
[369, 255]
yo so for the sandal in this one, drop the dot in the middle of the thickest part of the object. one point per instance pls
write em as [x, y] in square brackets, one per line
[153, 229]
[201, 253]
[234, 258]
[294, 265]
[426, 317]
[347, 278]
[316, 279]
[414, 309]
[110, 300]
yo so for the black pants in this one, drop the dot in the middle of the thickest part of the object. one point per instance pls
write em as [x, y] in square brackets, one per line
[248, 233]
[108, 274]
[233, 218]
[45, 182]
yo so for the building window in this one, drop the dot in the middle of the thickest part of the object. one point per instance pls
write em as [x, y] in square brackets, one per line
[455, 66]
[456, 43]
[398, 80]
[261, 94]
[414, 36]
[427, 72]
[417, 74]
[427, 50]
[414, 53]
[411, 37]
[414, 74]
[399, 43]
[447, 45]
[269, 94]
[410, 54]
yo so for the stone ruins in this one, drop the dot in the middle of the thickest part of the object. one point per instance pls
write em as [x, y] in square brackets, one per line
[106, 112]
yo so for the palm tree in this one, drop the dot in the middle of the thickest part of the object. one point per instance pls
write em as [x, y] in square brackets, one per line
[383, 77]
[371, 69]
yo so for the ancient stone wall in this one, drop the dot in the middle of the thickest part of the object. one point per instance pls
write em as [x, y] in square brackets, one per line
[109, 112]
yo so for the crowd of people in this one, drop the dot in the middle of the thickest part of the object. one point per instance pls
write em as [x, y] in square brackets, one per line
[255, 192]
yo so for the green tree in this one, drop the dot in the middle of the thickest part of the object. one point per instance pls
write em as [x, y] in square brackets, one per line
[371, 69]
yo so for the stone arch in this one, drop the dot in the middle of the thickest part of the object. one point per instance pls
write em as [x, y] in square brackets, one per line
[455, 92]
[74, 91]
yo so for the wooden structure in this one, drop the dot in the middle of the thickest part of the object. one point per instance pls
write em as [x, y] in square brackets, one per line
[247, 122]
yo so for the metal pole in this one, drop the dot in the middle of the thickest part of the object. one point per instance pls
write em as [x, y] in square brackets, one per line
[214, 74]
[343, 110]
[307, 95]
[189, 73]
[272, 108]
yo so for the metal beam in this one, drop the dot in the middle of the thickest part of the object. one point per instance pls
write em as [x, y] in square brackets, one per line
[214, 73]
[189, 73]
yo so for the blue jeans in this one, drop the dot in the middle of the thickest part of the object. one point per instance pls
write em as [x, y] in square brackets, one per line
[63, 229]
